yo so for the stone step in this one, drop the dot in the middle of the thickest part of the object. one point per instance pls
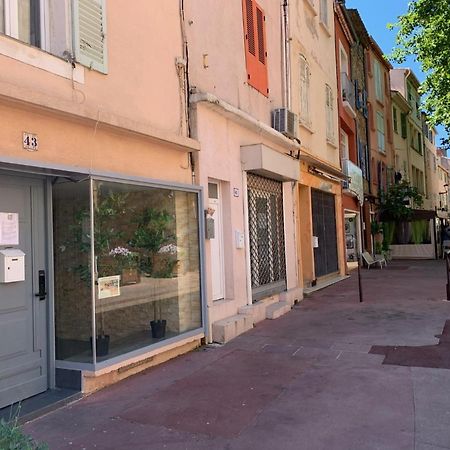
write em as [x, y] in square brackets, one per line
[257, 311]
[277, 310]
[226, 329]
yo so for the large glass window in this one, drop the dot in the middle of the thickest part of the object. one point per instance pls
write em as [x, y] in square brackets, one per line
[72, 256]
[146, 266]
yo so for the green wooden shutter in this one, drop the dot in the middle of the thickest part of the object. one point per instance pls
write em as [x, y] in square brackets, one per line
[89, 25]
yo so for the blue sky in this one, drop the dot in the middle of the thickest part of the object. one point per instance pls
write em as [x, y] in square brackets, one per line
[376, 15]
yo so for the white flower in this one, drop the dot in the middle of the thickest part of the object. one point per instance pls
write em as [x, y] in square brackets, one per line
[120, 251]
[169, 248]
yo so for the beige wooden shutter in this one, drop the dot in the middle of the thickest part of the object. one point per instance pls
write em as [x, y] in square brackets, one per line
[89, 25]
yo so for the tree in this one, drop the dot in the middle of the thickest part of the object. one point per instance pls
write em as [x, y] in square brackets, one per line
[424, 32]
[396, 203]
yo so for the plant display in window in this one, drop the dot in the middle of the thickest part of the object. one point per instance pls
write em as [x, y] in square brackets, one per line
[153, 235]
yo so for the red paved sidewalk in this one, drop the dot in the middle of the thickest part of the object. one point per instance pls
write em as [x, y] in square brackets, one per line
[305, 381]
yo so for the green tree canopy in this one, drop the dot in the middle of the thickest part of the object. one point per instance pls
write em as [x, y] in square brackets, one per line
[397, 202]
[424, 32]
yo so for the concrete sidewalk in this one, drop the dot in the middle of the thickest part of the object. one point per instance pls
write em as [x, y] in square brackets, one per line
[304, 381]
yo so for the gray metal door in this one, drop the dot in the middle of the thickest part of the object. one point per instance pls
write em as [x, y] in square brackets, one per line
[23, 315]
[324, 228]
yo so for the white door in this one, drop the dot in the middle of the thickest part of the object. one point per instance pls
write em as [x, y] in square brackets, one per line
[216, 244]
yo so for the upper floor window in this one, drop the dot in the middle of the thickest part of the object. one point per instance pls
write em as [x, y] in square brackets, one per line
[22, 20]
[380, 132]
[50, 25]
[378, 81]
[305, 116]
[324, 12]
[395, 119]
[255, 46]
[329, 105]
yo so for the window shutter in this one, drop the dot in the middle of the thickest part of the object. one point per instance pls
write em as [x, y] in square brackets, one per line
[304, 90]
[89, 17]
[255, 46]
[403, 124]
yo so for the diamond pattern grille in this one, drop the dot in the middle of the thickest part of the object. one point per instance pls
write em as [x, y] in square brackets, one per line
[266, 229]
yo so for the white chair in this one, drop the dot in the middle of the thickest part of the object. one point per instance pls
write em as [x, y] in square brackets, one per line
[370, 260]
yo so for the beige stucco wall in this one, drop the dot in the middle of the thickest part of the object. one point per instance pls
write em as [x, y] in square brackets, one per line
[221, 138]
[215, 37]
[313, 41]
[127, 121]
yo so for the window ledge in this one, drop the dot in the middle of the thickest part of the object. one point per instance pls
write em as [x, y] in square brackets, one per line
[325, 27]
[331, 142]
[40, 59]
[311, 6]
[307, 126]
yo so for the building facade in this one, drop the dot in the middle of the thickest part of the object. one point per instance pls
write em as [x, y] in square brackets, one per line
[313, 98]
[100, 223]
[380, 129]
[247, 168]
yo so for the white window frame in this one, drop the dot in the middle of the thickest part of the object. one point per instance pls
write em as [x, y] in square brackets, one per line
[305, 104]
[329, 106]
[12, 22]
[381, 137]
[324, 16]
[345, 154]
[379, 93]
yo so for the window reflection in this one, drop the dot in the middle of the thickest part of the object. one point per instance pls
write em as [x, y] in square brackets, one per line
[146, 265]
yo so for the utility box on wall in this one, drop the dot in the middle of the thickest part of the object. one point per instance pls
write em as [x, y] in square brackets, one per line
[12, 265]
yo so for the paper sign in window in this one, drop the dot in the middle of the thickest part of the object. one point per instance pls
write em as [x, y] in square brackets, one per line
[9, 228]
[109, 286]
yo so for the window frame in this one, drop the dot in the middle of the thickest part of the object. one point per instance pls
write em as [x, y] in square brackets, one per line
[257, 72]
[329, 108]
[381, 132]
[11, 23]
[379, 92]
[304, 88]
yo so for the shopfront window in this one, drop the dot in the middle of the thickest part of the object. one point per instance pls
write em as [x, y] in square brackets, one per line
[146, 266]
[72, 256]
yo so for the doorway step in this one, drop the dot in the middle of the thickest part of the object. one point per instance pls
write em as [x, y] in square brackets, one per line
[40, 404]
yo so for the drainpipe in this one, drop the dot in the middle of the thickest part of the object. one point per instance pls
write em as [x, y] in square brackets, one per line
[286, 55]
[183, 71]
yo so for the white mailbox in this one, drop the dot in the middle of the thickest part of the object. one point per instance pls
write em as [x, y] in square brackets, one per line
[12, 265]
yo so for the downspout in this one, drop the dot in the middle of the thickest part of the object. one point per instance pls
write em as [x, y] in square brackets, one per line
[183, 68]
[286, 55]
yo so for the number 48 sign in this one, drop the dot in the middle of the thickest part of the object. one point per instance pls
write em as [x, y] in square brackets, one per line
[30, 142]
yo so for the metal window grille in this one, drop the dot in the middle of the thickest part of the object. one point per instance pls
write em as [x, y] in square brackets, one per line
[266, 230]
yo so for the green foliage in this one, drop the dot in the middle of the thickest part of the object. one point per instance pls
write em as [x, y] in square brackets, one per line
[388, 234]
[419, 231]
[152, 230]
[424, 32]
[375, 227]
[394, 202]
[13, 438]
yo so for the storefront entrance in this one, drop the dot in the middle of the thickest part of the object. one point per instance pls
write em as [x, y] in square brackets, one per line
[324, 229]
[23, 299]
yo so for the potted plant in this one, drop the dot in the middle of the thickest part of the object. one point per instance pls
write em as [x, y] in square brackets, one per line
[165, 262]
[127, 264]
[158, 326]
[152, 233]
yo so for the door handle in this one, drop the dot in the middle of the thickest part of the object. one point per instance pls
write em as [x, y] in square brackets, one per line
[42, 294]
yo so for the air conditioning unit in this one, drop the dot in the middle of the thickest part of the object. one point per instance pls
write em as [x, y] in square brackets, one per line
[285, 122]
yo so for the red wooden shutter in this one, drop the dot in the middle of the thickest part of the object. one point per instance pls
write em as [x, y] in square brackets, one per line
[255, 46]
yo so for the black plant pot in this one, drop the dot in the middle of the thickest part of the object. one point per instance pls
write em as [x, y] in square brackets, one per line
[101, 345]
[158, 328]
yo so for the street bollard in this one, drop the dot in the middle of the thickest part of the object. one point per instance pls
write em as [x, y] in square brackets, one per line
[447, 263]
[359, 279]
